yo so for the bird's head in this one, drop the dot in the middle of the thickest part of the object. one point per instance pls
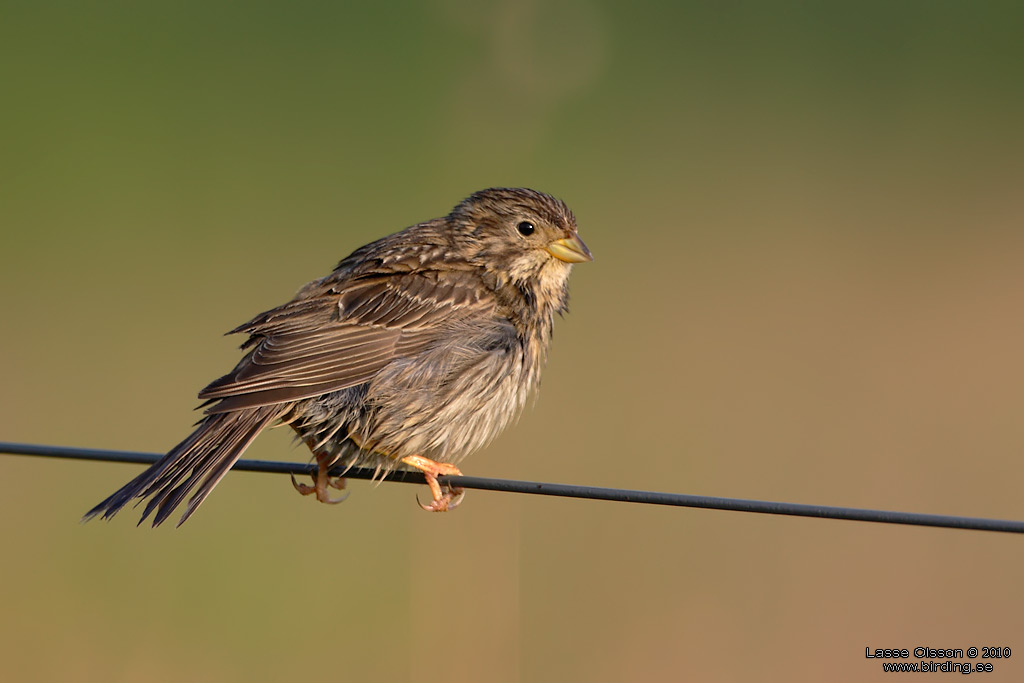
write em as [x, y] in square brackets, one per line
[523, 236]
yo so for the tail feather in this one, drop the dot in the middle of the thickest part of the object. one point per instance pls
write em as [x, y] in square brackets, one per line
[202, 460]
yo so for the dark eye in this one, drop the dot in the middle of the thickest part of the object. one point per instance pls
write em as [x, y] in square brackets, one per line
[525, 228]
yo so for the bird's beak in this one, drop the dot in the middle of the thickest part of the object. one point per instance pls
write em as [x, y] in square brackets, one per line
[570, 249]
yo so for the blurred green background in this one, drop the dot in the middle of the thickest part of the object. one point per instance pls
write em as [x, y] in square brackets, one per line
[808, 220]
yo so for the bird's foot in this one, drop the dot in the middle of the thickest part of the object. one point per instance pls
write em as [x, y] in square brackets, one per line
[321, 481]
[445, 499]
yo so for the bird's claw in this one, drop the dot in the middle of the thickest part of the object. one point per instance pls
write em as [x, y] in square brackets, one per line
[446, 502]
[333, 501]
[321, 481]
[303, 489]
[443, 500]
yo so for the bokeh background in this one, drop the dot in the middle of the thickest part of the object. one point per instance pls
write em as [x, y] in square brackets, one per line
[808, 220]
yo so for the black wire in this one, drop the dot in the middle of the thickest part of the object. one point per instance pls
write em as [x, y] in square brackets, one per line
[563, 490]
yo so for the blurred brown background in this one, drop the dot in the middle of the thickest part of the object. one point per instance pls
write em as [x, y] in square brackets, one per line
[809, 230]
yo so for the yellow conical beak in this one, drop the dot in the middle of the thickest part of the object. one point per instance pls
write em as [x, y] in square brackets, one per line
[570, 249]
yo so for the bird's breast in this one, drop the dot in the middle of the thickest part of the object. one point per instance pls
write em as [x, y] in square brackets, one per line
[453, 400]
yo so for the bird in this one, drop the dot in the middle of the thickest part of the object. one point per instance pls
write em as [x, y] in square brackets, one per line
[415, 351]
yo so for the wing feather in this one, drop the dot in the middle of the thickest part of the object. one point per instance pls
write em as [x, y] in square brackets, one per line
[340, 334]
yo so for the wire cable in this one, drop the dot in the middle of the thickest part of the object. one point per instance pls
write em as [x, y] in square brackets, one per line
[562, 490]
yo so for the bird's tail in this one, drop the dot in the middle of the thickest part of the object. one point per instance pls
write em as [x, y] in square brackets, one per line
[202, 459]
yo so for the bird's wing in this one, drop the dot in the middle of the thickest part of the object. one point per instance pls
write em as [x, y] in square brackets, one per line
[340, 335]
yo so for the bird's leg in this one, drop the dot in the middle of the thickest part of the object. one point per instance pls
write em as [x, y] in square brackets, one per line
[444, 500]
[322, 480]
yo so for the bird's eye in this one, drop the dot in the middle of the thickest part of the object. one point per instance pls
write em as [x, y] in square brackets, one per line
[525, 228]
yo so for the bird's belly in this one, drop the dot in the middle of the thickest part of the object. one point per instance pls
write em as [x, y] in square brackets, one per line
[445, 416]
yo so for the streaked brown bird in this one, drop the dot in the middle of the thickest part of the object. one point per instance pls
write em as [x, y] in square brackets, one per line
[417, 350]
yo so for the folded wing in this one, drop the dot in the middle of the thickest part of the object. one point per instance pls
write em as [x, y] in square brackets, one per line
[341, 334]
